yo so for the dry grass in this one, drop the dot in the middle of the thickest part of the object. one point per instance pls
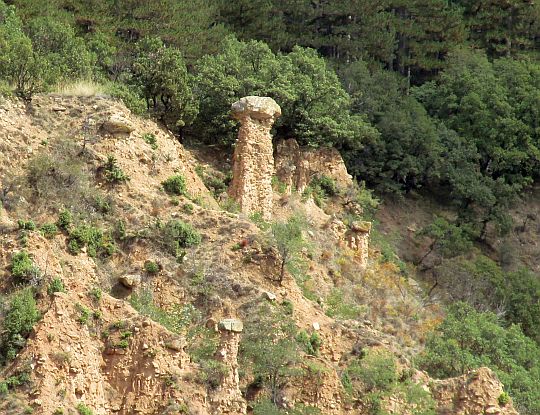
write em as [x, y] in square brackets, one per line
[80, 88]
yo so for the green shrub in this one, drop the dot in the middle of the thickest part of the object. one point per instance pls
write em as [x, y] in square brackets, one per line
[269, 347]
[377, 371]
[258, 220]
[84, 314]
[93, 238]
[289, 241]
[216, 181]
[120, 230]
[84, 410]
[178, 235]
[130, 96]
[3, 388]
[74, 247]
[48, 230]
[23, 268]
[65, 219]
[112, 173]
[310, 343]
[188, 208]
[20, 317]
[288, 307]
[96, 294]
[326, 184]
[266, 407]
[27, 225]
[160, 73]
[55, 286]
[102, 204]
[337, 306]
[373, 377]
[365, 198]
[122, 344]
[151, 267]
[278, 185]
[503, 399]
[174, 320]
[175, 185]
[150, 139]
[19, 64]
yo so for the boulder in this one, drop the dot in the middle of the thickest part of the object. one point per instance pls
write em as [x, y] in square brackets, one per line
[175, 344]
[117, 124]
[130, 281]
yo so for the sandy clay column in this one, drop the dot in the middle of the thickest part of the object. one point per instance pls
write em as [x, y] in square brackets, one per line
[227, 398]
[253, 161]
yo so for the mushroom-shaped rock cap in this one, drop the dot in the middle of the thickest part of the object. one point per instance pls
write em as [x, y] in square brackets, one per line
[260, 108]
[231, 324]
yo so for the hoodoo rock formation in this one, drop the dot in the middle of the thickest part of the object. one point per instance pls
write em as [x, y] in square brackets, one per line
[227, 399]
[253, 162]
[357, 238]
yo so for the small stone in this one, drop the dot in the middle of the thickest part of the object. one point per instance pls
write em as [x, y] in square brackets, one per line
[145, 346]
[316, 326]
[59, 108]
[130, 281]
[231, 324]
[269, 296]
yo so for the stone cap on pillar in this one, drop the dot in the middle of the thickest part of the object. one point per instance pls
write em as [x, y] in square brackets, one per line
[231, 324]
[361, 227]
[259, 108]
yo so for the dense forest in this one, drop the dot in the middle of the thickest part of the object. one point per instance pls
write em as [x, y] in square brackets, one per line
[438, 97]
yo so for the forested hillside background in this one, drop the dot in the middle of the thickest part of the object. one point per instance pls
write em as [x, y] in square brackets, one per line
[436, 97]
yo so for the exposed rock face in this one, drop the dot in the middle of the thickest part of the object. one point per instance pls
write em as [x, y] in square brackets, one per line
[476, 392]
[253, 162]
[296, 166]
[227, 399]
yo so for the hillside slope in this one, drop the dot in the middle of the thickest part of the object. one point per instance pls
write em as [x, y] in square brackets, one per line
[89, 156]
